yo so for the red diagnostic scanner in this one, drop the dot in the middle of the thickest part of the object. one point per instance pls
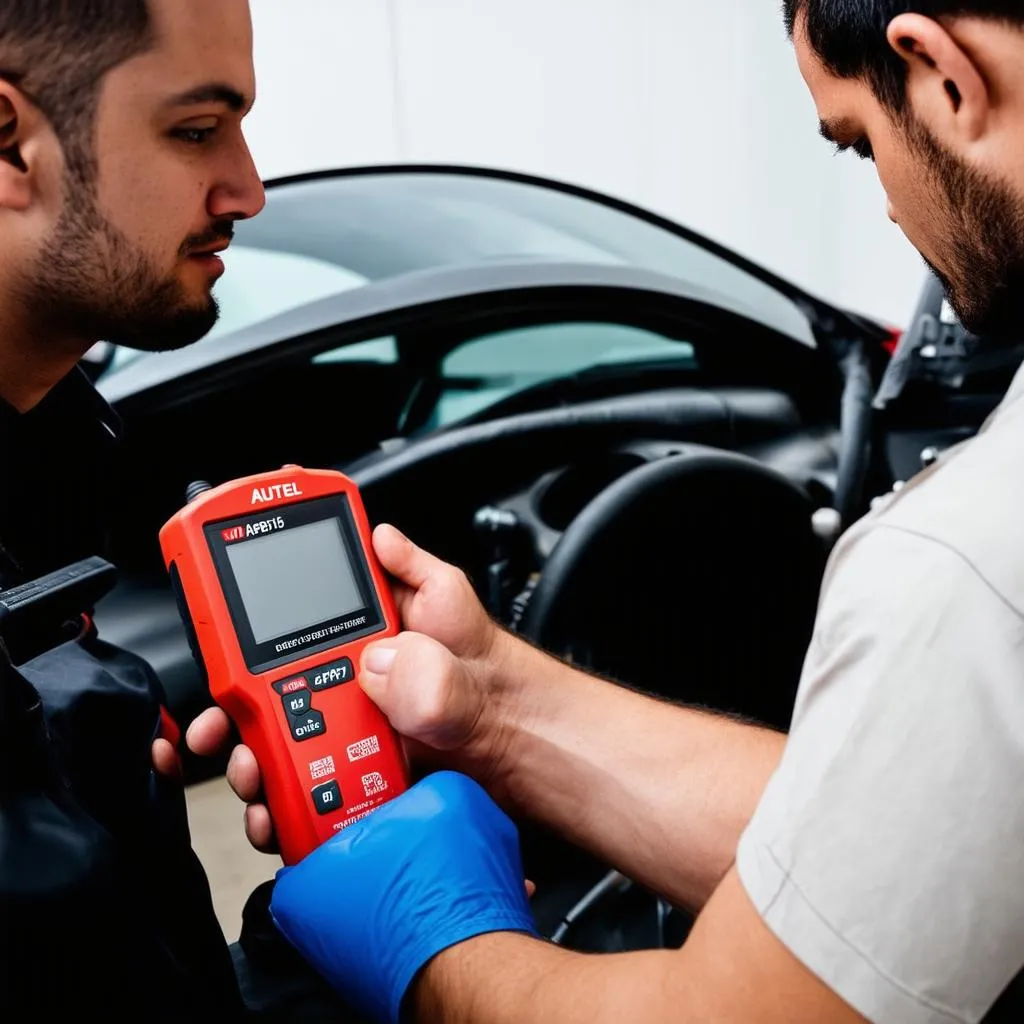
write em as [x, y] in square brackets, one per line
[280, 590]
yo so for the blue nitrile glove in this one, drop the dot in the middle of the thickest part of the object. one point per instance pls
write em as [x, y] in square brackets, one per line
[434, 867]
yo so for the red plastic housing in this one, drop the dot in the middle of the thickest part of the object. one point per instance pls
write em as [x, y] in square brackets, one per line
[355, 746]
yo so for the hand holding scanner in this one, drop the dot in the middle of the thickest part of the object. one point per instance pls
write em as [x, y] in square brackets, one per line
[279, 589]
[438, 866]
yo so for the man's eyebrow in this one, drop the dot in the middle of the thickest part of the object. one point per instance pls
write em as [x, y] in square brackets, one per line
[836, 130]
[213, 92]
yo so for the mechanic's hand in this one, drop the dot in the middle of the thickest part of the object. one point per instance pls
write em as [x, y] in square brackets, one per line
[165, 759]
[435, 598]
[207, 736]
[437, 682]
[436, 866]
[435, 700]
[164, 752]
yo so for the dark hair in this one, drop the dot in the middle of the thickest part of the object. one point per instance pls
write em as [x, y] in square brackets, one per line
[850, 35]
[59, 51]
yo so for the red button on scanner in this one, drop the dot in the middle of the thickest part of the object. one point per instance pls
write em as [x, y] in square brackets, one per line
[291, 686]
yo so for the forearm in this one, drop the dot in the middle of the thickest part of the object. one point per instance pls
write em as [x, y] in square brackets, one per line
[512, 979]
[663, 793]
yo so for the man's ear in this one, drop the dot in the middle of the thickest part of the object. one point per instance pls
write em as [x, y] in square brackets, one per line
[15, 121]
[945, 88]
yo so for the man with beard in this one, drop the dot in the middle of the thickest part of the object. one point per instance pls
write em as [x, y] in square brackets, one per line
[866, 867]
[123, 168]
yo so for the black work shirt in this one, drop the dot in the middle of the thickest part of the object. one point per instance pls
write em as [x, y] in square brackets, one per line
[56, 467]
[104, 908]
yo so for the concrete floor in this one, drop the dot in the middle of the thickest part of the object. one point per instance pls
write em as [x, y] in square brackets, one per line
[218, 837]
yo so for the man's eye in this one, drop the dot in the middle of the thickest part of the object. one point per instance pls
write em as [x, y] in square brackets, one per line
[193, 136]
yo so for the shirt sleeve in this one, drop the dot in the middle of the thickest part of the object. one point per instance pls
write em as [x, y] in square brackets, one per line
[887, 851]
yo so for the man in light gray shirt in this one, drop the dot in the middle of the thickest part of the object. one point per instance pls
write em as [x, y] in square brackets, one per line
[871, 864]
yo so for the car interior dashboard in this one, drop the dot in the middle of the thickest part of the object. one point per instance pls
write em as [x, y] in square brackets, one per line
[493, 495]
[656, 529]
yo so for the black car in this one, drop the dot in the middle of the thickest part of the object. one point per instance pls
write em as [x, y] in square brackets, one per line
[639, 445]
[487, 354]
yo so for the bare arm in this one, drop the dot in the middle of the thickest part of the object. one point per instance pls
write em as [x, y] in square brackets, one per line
[661, 792]
[731, 968]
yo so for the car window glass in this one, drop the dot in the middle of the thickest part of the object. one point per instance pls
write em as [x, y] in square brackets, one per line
[492, 367]
[380, 226]
[259, 284]
[377, 350]
[262, 283]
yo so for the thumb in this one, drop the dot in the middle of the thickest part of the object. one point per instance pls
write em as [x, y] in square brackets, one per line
[373, 675]
[403, 559]
[419, 685]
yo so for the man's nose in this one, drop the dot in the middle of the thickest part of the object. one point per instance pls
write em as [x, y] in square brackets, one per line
[891, 210]
[240, 195]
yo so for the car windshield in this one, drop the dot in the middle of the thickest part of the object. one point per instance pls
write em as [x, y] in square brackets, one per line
[487, 369]
[324, 236]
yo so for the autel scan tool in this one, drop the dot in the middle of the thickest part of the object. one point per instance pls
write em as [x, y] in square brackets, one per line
[280, 590]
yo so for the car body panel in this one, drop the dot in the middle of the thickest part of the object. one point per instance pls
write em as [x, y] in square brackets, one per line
[418, 291]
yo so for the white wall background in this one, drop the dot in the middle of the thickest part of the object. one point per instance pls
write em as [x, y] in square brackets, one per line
[692, 108]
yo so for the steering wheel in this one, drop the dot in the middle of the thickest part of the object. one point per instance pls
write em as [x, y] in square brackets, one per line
[695, 577]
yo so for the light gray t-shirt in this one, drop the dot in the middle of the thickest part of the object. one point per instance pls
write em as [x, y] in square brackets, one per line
[888, 850]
